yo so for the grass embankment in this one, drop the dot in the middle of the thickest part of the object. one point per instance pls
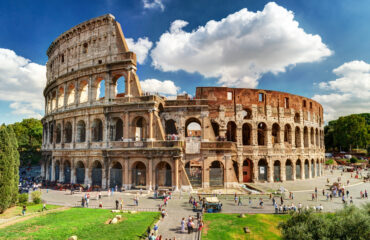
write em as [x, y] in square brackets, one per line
[17, 210]
[230, 226]
[82, 222]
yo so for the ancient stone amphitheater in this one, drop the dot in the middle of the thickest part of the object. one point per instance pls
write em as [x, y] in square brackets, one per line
[101, 129]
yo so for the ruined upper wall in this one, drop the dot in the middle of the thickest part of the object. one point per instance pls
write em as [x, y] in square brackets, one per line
[97, 41]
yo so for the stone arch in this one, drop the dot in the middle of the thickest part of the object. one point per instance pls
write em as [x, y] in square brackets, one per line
[298, 167]
[138, 174]
[261, 134]
[57, 170]
[139, 128]
[193, 128]
[170, 127]
[163, 174]
[247, 134]
[277, 171]
[97, 130]
[231, 131]
[288, 170]
[83, 91]
[194, 172]
[216, 174]
[67, 171]
[115, 178]
[247, 170]
[80, 172]
[305, 137]
[68, 133]
[59, 133]
[97, 173]
[60, 97]
[262, 170]
[275, 133]
[288, 133]
[312, 168]
[81, 131]
[71, 92]
[297, 118]
[298, 137]
[216, 128]
[116, 129]
[306, 169]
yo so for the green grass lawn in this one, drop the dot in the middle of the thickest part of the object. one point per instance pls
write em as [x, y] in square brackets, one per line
[17, 210]
[230, 226]
[82, 222]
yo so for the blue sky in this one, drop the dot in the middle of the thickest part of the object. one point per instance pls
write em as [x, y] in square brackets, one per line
[333, 69]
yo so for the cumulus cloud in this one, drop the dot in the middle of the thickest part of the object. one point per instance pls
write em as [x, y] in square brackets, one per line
[239, 48]
[21, 84]
[141, 47]
[166, 87]
[150, 4]
[349, 93]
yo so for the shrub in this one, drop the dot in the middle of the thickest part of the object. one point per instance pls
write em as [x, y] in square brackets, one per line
[36, 197]
[23, 198]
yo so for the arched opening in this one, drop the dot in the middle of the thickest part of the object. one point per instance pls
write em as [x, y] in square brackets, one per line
[120, 87]
[71, 94]
[216, 174]
[170, 127]
[100, 89]
[277, 171]
[247, 130]
[247, 170]
[306, 169]
[297, 137]
[163, 175]
[97, 130]
[61, 97]
[96, 174]
[193, 128]
[298, 167]
[139, 175]
[116, 129]
[305, 137]
[275, 133]
[68, 133]
[57, 170]
[116, 175]
[83, 92]
[312, 168]
[247, 113]
[216, 128]
[51, 136]
[81, 131]
[67, 172]
[231, 132]
[261, 135]
[312, 137]
[317, 138]
[140, 129]
[288, 170]
[288, 134]
[236, 170]
[80, 173]
[262, 170]
[194, 172]
[59, 133]
[297, 118]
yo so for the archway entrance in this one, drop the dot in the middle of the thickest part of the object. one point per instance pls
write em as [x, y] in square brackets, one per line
[277, 171]
[288, 170]
[96, 174]
[80, 173]
[116, 175]
[194, 172]
[139, 175]
[163, 175]
[262, 170]
[216, 174]
[247, 170]
[67, 172]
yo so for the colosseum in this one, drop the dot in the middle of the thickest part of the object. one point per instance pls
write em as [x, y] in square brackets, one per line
[101, 129]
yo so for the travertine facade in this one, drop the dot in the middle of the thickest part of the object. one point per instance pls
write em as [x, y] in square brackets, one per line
[101, 129]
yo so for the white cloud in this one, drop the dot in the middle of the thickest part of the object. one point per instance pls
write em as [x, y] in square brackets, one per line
[150, 4]
[141, 48]
[166, 87]
[239, 48]
[21, 84]
[348, 94]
